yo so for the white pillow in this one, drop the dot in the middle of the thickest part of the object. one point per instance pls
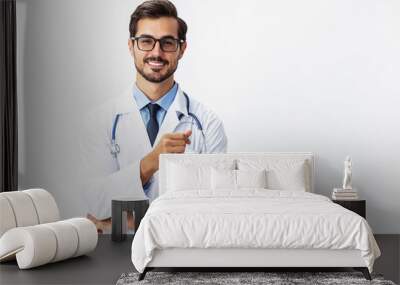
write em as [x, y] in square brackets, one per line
[223, 179]
[187, 174]
[251, 178]
[181, 177]
[282, 174]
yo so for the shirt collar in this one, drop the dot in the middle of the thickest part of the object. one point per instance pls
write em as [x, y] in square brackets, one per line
[126, 104]
[164, 102]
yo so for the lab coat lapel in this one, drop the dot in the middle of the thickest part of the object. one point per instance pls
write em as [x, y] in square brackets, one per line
[171, 118]
[136, 129]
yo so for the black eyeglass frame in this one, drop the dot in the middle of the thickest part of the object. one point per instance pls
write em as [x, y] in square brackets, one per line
[178, 42]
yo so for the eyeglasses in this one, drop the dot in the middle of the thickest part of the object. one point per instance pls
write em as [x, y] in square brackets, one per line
[167, 44]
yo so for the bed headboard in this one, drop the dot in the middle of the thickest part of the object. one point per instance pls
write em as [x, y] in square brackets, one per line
[210, 159]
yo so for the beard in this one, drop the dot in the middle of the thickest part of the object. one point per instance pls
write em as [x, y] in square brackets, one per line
[156, 76]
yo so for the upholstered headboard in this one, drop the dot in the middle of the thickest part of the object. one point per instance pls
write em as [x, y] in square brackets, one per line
[235, 158]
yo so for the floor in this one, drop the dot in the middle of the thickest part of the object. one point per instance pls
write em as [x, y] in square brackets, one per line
[102, 266]
[110, 260]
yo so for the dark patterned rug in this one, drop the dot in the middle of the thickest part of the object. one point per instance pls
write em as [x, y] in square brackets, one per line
[270, 278]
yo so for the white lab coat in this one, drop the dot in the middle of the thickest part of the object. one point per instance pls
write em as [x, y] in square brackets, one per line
[107, 177]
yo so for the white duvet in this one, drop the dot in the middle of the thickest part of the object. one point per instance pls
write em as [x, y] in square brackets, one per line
[251, 218]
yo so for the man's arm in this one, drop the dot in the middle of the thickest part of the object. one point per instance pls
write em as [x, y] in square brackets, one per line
[169, 143]
[216, 140]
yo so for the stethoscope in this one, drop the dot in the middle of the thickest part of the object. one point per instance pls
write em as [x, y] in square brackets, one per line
[115, 149]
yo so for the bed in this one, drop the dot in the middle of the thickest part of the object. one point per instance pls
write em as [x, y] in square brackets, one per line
[247, 210]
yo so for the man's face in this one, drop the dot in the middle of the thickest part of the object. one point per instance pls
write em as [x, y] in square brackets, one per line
[156, 65]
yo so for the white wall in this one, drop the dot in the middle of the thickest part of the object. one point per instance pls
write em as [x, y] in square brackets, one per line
[312, 75]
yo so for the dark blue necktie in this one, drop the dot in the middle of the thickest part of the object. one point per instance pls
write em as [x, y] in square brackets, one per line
[152, 125]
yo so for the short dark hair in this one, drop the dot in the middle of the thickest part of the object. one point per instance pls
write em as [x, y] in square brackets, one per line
[156, 9]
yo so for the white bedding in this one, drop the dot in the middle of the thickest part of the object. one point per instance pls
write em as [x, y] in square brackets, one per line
[250, 218]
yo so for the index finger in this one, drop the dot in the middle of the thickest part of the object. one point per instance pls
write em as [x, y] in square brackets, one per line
[188, 133]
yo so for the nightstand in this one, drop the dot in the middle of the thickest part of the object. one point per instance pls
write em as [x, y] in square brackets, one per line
[357, 206]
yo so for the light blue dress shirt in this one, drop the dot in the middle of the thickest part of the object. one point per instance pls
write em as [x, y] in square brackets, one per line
[164, 102]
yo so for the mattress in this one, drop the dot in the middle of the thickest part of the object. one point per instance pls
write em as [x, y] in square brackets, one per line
[251, 219]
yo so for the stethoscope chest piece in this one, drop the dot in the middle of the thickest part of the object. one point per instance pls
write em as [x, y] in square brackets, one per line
[114, 149]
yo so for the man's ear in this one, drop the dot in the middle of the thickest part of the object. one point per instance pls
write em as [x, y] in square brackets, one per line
[182, 50]
[130, 46]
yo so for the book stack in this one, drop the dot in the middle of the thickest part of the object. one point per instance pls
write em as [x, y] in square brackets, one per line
[344, 194]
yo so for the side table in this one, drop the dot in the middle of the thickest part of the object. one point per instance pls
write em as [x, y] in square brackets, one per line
[118, 223]
[357, 206]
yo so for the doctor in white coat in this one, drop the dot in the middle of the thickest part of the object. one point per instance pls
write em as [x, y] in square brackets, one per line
[125, 137]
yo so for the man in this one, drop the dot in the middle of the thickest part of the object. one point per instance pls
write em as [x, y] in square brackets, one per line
[155, 116]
